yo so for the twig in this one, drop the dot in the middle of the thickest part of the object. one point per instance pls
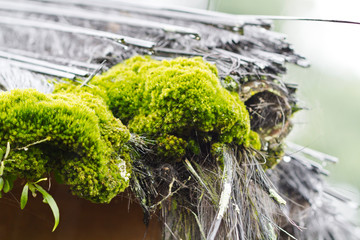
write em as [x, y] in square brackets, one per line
[313, 153]
[76, 30]
[225, 195]
[34, 143]
[93, 15]
[93, 74]
[196, 175]
[34, 61]
[40, 69]
[168, 195]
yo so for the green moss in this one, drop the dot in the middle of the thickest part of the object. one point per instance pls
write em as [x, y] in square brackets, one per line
[274, 155]
[96, 182]
[79, 132]
[30, 165]
[217, 152]
[254, 140]
[230, 84]
[194, 147]
[171, 147]
[174, 204]
[181, 97]
[84, 140]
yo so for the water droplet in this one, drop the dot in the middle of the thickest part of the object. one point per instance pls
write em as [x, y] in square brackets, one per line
[287, 159]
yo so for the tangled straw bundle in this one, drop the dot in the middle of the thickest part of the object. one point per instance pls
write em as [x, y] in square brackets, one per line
[196, 130]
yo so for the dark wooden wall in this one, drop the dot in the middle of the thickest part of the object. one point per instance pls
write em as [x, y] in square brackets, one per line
[79, 219]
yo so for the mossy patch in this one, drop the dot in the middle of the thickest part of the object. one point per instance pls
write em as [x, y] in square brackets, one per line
[83, 140]
[171, 147]
[180, 103]
[181, 97]
[254, 140]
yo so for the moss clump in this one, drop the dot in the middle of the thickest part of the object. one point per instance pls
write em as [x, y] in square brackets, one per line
[254, 140]
[83, 140]
[217, 152]
[171, 147]
[194, 147]
[274, 155]
[181, 97]
[230, 84]
[30, 165]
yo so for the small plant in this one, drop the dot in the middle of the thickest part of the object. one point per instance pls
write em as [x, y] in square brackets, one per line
[48, 199]
[6, 184]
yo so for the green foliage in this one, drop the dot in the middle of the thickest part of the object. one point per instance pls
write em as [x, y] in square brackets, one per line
[49, 131]
[73, 132]
[194, 147]
[6, 182]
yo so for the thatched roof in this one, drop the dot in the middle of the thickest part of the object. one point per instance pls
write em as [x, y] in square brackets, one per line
[71, 39]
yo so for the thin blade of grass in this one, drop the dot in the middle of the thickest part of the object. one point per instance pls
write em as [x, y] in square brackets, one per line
[7, 150]
[50, 200]
[6, 186]
[1, 183]
[24, 196]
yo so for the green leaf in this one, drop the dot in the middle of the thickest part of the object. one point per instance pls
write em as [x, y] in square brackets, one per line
[7, 150]
[24, 196]
[11, 179]
[1, 183]
[50, 200]
[58, 177]
[40, 180]
[2, 166]
[1, 154]
[6, 186]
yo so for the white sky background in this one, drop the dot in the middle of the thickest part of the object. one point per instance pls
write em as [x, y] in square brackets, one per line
[327, 45]
[334, 50]
[184, 3]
